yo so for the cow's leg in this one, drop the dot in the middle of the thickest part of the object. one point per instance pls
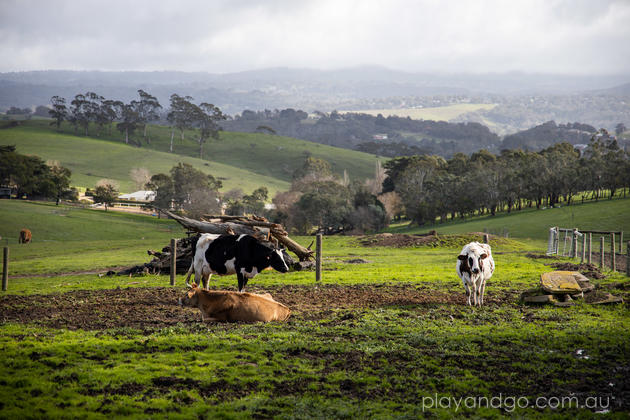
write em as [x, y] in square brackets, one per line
[190, 271]
[467, 291]
[471, 293]
[242, 281]
[205, 279]
[479, 292]
[483, 290]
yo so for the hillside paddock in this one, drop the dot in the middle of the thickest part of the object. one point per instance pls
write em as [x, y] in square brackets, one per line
[386, 334]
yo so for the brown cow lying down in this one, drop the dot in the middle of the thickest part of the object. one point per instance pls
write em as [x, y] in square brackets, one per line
[224, 305]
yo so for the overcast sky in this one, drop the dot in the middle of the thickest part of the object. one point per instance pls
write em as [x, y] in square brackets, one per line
[550, 36]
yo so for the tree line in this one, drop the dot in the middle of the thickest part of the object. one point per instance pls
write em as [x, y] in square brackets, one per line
[92, 109]
[431, 187]
[30, 176]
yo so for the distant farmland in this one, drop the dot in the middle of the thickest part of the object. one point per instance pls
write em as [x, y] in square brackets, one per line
[441, 113]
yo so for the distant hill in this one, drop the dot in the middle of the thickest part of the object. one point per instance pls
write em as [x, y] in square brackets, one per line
[547, 134]
[368, 87]
[240, 160]
[353, 131]
[621, 90]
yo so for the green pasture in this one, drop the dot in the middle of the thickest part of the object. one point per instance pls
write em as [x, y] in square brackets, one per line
[348, 362]
[440, 113]
[240, 160]
[532, 224]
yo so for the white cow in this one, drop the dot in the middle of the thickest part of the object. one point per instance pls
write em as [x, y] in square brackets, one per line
[475, 266]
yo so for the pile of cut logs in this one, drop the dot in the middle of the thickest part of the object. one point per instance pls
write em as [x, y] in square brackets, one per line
[231, 225]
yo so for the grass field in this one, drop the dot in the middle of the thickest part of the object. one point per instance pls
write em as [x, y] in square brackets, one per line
[441, 113]
[532, 224]
[385, 335]
[240, 160]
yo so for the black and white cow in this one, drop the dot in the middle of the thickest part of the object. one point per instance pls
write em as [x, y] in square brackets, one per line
[475, 265]
[242, 255]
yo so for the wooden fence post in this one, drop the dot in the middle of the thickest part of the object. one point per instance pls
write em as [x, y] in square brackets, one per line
[628, 259]
[486, 239]
[173, 260]
[318, 257]
[621, 242]
[601, 253]
[5, 269]
[590, 248]
[613, 264]
[574, 243]
[583, 249]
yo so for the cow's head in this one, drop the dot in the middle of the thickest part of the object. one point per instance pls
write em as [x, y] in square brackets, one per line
[473, 260]
[276, 260]
[190, 298]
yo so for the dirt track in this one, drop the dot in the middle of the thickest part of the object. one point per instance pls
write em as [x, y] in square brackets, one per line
[157, 307]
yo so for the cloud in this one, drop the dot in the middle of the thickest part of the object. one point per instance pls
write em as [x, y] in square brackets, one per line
[558, 36]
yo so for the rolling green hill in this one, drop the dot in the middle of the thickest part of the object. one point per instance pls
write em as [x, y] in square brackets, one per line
[241, 160]
[609, 215]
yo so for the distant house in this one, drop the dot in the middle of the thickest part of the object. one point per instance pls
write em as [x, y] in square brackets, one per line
[5, 192]
[379, 137]
[142, 195]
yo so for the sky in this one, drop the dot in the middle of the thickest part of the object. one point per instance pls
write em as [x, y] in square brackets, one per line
[581, 37]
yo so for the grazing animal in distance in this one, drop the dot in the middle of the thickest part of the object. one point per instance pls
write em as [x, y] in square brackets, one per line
[242, 255]
[228, 306]
[475, 266]
[25, 236]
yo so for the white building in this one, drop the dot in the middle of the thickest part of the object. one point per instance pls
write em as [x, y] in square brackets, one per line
[139, 196]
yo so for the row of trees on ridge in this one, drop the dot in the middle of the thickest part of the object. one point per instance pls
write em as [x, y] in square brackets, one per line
[91, 108]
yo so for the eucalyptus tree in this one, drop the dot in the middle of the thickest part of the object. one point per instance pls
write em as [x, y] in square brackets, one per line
[59, 111]
[79, 114]
[511, 164]
[110, 111]
[615, 160]
[561, 161]
[129, 119]
[205, 118]
[416, 184]
[147, 109]
[106, 193]
[595, 162]
[485, 184]
[180, 115]
[186, 188]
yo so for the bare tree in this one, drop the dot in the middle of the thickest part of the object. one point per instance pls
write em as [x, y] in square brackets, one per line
[140, 177]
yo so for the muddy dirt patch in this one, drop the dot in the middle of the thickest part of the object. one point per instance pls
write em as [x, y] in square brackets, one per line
[432, 239]
[589, 270]
[157, 307]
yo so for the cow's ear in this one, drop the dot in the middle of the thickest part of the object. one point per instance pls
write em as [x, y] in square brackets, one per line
[482, 256]
[461, 257]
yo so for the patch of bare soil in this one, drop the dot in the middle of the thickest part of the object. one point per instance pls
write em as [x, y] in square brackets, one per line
[398, 240]
[157, 307]
[620, 263]
[401, 240]
[589, 270]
